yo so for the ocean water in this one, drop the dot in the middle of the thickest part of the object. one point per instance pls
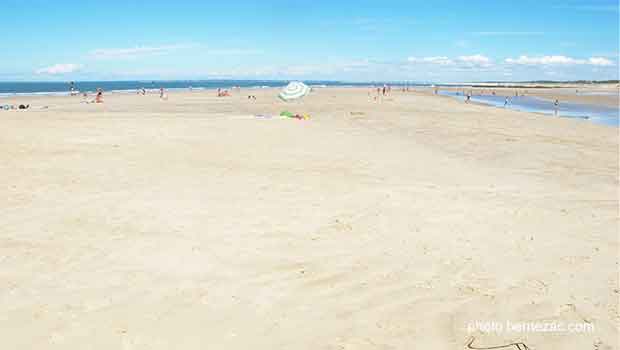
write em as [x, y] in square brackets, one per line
[593, 113]
[8, 89]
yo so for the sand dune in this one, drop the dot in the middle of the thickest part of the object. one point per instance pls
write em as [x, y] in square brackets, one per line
[192, 224]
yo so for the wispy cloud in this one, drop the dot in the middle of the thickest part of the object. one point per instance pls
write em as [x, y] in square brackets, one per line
[369, 27]
[478, 60]
[138, 51]
[465, 61]
[146, 51]
[302, 70]
[233, 52]
[509, 33]
[440, 60]
[61, 68]
[559, 60]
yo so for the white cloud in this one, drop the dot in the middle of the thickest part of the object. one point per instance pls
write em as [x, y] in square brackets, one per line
[440, 60]
[559, 60]
[543, 60]
[600, 61]
[479, 60]
[61, 68]
[133, 52]
[466, 62]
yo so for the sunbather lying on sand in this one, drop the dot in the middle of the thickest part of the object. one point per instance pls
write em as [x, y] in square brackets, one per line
[7, 107]
[99, 97]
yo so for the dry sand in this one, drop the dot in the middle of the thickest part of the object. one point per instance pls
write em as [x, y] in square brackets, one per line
[191, 224]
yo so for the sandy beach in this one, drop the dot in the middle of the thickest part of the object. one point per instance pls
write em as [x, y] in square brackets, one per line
[191, 223]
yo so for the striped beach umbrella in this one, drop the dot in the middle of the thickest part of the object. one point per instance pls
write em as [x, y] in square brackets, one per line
[294, 90]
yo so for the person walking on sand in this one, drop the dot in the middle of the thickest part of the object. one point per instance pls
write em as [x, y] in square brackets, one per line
[556, 107]
[506, 102]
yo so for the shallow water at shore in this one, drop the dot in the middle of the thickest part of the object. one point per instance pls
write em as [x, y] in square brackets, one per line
[596, 114]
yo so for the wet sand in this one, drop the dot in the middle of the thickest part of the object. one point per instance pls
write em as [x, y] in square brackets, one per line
[604, 95]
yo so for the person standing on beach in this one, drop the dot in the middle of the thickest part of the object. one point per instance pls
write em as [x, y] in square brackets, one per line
[556, 106]
[506, 102]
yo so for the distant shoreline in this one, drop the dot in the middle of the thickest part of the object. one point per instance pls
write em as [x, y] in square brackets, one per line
[16, 89]
[8, 89]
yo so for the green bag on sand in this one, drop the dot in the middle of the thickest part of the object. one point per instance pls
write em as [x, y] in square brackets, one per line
[286, 114]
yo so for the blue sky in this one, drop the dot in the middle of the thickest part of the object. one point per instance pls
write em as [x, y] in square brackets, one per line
[442, 41]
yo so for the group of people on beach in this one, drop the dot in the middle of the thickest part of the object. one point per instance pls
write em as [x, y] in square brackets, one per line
[223, 93]
[385, 91]
[13, 107]
[380, 92]
[507, 100]
[162, 93]
[98, 97]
